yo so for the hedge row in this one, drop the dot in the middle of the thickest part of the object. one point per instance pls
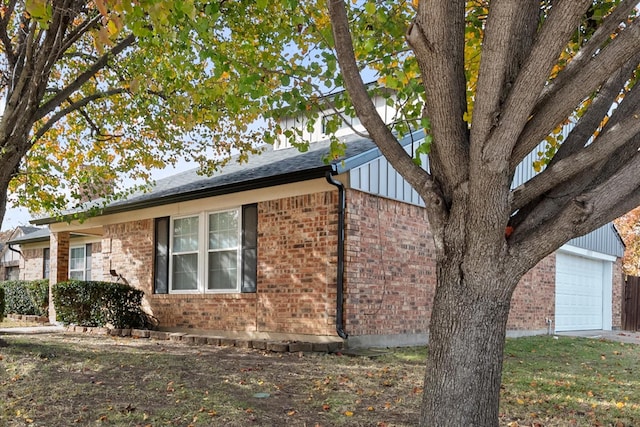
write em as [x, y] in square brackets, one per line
[26, 297]
[98, 304]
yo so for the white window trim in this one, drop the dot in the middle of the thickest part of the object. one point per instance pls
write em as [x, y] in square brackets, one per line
[198, 289]
[203, 253]
[84, 262]
[238, 254]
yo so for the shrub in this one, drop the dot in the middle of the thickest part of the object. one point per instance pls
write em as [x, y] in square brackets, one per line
[98, 304]
[26, 297]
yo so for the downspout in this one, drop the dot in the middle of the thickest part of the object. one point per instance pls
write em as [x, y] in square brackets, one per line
[340, 274]
[12, 249]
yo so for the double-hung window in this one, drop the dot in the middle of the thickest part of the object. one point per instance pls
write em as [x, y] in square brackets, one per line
[80, 262]
[211, 252]
[185, 253]
[222, 251]
[46, 262]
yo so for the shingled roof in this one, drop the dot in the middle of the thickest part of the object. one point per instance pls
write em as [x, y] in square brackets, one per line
[268, 168]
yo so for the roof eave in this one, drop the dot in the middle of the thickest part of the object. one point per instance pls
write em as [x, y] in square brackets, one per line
[254, 184]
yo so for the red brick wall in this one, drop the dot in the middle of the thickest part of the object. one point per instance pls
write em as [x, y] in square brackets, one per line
[206, 311]
[59, 257]
[296, 272]
[127, 248]
[534, 299]
[297, 253]
[390, 274]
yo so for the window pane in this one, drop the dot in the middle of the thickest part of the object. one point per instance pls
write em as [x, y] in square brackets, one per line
[185, 234]
[76, 261]
[223, 270]
[76, 275]
[161, 257]
[223, 230]
[46, 261]
[185, 272]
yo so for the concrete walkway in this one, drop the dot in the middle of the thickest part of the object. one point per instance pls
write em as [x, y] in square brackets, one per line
[619, 336]
[29, 330]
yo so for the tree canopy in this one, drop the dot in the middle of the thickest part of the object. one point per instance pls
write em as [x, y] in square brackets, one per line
[101, 91]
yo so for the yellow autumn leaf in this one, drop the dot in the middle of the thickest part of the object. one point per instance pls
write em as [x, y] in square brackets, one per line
[348, 413]
[620, 405]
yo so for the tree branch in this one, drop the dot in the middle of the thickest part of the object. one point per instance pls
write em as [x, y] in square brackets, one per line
[369, 117]
[4, 37]
[78, 32]
[613, 136]
[437, 38]
[507, 41]
[555, 107]
[71, 108]
[551, 40]
[602, 35]
[582, 213]
[54, 102]
[592, 119]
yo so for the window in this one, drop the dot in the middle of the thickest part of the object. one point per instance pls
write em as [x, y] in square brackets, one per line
[12, 273]
[212, 252]
[80, 262]
[184, 254]
[222, 260]
[161, 256]
[46, 262]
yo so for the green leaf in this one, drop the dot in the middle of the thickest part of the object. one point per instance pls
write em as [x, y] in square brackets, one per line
[370, 8]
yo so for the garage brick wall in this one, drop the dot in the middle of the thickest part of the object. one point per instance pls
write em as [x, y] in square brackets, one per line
[618, 294]
[534, 299]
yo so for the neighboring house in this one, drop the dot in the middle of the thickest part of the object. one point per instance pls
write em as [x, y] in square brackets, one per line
[289, 244]
[10, 258]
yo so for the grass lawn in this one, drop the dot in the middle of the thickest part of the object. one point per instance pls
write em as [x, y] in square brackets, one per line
[66, 380]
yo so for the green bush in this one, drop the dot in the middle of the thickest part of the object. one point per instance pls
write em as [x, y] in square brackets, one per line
[98, 304]
[26, 297]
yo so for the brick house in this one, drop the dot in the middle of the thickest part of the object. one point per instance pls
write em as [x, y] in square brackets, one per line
[287, 243]
[10, 253]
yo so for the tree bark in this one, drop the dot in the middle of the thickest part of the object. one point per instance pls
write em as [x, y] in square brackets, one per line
[466, 342]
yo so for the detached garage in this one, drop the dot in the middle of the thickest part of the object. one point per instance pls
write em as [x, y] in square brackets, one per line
[584, 281]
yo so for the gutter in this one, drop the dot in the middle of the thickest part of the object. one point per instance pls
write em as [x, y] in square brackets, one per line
[340, 274]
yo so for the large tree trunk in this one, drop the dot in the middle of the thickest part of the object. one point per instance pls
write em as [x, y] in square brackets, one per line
[466, 342]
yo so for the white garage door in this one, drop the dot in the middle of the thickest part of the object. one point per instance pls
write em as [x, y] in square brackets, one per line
[579, 292]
